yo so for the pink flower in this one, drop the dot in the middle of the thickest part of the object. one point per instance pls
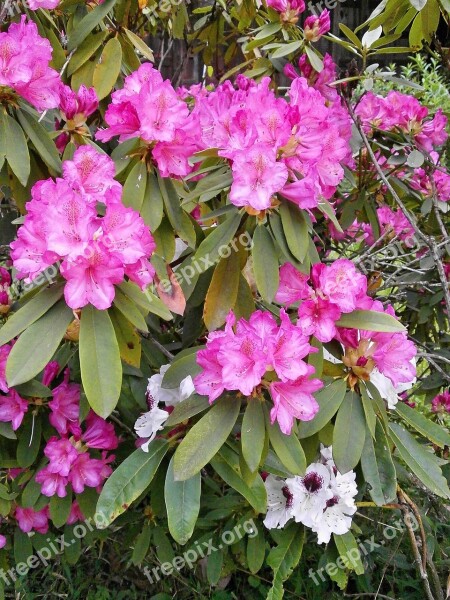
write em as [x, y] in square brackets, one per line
[61, 454]
[13, 409]
[317, 26]
[4, 353]
[289, 9]
[294, 399]
[317, 317]
[77, 106]
[209, 381]
[75, 514]
[394, 356]
[256, 177]
[29, 519]
[37, 4]
[90, 173]
[289, 346]
[91, 277]
[3, 541]
[441, 403]
[293, 285]
[88, 472]
[50, 372]
[99, 434]
[341, 283]
[52, 483]
[65, 407]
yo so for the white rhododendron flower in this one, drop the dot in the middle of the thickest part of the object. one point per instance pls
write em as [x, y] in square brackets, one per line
[323, 499]
[149, 423]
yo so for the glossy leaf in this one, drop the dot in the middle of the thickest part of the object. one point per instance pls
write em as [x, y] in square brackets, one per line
[183, 504]
[349, 433]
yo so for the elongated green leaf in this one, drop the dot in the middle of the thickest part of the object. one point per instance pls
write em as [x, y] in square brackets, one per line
[172, 204]
[152, 210]
[41, 140]
[37, 344]
[369, 411]
[87, 24]
[129, 310]
[205, 438]
[107, 70]
[349, 433]
[140, 45]
[208, 252]
[349, 552]
[288, 449]
[226, 465]
[432, 431]
[181, 367]
[329, 400]
[85, 51]
[30, 312]
[370, 320]
[421, 461]
[101, 369]
[287, 49]
[17, 153]
[129, 481]
[187, 409]
[265, 264]
[256, 549]
[182, 504]
[295, 229]
[134, 188]
[29, 440]
[60, 509]
[378, 468]
[141, 545]
[253, 433]
[284, 558]
[222, 292]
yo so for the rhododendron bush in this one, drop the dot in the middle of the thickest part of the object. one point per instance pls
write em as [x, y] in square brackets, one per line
[226, 301]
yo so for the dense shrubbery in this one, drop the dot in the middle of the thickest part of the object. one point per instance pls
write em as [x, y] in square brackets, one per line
[225, 314]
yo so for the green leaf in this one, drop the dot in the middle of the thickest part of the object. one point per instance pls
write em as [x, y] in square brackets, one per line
[23, 548]
[226, 465]
[29, 441]
[295, 229]
[129, 310]
[141, 545]
[30, 312]
[432, 431]
[37, 344]
[222, 292]
[421, 461]
[129, 341]
[214, 566]
[206, 438]
[7, 431]
[129, 481]
[253, 433]
[60, 509]
[140, 45]
[107, 70]
[369, 411]
[350, 35]
[187, 409]
[256, 549]
[41, 140]
[349, 433]
[182, 504]
[17, 153]
[265, 264]
[134, 188]
[378, 468]
[349, 552]
[87, 24]
[329, 400]
[85, 51]
[287, 448]
[208, 252]
[370, 320]
[35, 389]
[152, 210]
[72, 553]
[101, 369]
[171, 201]
[314, 59]
[287, 49]
[285, 557]
[181, 367]
[146, 300]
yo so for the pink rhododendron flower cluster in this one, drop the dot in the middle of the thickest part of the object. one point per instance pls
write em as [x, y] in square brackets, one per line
[24, 60]
[317, 26]
[37, 4]
[289, 9]
[441, 403]
[62, 224]
[323, 499]
[250, 355]
[5, 282]
[405, 113]
[421, 182]
[75, 108]
[150, 108]
[29, 519]
[392, 221]
[294, 148]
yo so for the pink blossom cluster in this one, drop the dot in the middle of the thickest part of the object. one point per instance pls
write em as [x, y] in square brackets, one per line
[97, 252]
[319, 81]
[288, 9]
[5, 282]
[150, 108]
[37, 4]
[75, 108]
[24, 65]
[317, 26]
[258, 353]
[401, 112]
[293, 148]
[392, 221]
[439, 184]
[441, 403]
[338, 289]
